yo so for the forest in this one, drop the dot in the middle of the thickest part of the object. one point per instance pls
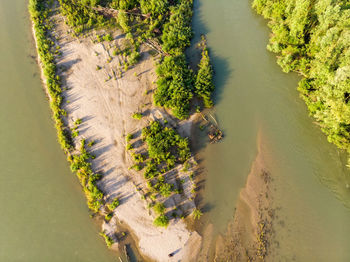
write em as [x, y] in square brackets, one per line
[312, 38]
[165, 23]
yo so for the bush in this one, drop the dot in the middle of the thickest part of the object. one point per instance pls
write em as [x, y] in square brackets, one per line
[108, 240]
[107, 37]
[161, 221]
[129, 137]
[114, 204]
[108, 217]
[137, 116]
[159, 208]
[196, 214]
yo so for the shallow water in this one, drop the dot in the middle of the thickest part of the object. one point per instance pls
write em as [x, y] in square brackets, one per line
[44, 216]
[253, 94]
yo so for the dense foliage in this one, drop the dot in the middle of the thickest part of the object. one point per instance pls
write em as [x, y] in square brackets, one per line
[80, 15]
[175, 83]
[312, 37]
[177, 31]
[165, 145]
[204, 82]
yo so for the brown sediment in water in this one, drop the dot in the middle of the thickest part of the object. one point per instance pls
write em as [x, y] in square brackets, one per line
[249, 234]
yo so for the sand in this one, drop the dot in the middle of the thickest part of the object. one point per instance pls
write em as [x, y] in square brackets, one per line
[105, 105]
[249, 235]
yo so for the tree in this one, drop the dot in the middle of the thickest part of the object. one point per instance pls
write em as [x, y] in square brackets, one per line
[204, 82]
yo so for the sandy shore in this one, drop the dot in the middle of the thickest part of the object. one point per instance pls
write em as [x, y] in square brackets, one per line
[105, 104]
[248, 236]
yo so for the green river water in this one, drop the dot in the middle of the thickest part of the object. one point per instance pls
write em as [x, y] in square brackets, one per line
[44, 215]
[253, 94]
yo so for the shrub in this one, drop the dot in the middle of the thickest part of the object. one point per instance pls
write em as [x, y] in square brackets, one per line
[108, 240]
[159, 208]
[114, 204]
[129, 137]
[107, 37]
[138, 158]
[78, 122]
[196, 214]
[137, 116]
[161, 221]
[108, 217]
[136, 167]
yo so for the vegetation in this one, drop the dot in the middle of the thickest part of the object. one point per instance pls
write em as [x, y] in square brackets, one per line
[82, 167]
[45, 48]
[161, 221]
[80, 16]
[311, 38]
[129, 137]
[80, 164]
[164, 146]
[108, 240]
[174, 85]
[204, 82]
[197, 213]
[159, 208]
[168, 24]
[108, 217]
[137, 116]
[165, 149]
[114, 204]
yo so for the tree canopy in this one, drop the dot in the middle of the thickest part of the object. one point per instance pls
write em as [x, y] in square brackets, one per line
[312, 37]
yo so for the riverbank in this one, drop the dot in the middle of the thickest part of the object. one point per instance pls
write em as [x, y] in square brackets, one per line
[98, 106]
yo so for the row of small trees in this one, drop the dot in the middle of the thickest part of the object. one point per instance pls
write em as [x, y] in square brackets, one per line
[80, 162]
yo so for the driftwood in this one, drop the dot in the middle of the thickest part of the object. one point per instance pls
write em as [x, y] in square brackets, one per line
[214, 134]
[155, 45]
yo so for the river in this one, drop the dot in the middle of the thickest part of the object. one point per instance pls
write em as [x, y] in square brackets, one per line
[44, 215]
[254, 95]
